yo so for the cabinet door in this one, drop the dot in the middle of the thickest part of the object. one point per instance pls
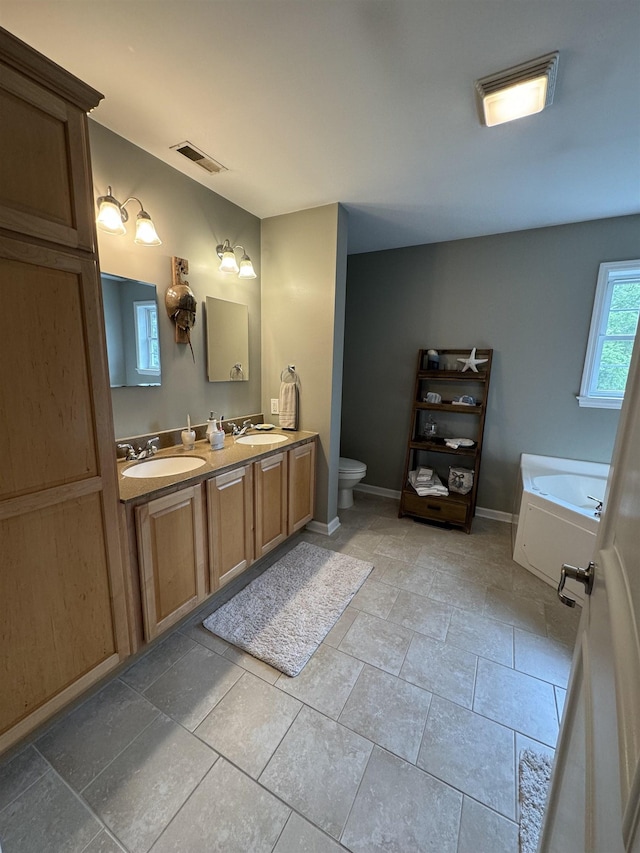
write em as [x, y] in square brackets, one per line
[230, 521]
[63, 621]
[171, 557]
[302, 485]
[45, 190]
[271, 502]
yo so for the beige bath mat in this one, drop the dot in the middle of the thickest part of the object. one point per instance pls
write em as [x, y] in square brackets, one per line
[282, 616]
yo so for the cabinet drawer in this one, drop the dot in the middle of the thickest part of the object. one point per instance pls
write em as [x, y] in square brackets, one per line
[438, 509]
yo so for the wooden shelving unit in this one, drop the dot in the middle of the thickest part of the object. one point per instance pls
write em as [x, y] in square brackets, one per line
[454, 420]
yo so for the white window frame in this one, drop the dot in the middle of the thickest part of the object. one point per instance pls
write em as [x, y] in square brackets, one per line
[609, 274]
[143, 309]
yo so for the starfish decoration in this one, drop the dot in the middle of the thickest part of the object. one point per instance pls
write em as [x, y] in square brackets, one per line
[471, 362]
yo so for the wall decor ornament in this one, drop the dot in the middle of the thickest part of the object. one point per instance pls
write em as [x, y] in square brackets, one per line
[472, 362]
[181, 303]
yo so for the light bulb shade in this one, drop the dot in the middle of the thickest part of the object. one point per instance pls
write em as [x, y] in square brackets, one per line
[146, 234]
[520, 91]
[246, 268]
[523, 99]
[228, 262]
[110, 216]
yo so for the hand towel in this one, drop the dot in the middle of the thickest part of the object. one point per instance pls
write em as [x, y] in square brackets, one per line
[288, 405]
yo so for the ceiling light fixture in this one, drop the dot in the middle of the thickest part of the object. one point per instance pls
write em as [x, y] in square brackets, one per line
[520, 91]
[228, 263]
[112, 216]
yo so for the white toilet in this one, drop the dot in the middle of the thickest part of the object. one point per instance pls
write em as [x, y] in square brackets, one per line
[350, 472]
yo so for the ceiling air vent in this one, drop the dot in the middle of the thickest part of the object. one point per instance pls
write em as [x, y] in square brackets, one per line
[199, 158]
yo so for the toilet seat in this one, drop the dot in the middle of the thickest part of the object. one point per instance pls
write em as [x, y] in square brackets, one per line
[351, 466]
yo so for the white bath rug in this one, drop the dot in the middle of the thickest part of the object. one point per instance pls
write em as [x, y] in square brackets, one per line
[534, 775]
[282, 616]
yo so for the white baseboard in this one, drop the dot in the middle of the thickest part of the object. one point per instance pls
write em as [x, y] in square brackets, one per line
[483, 512]
[324, 529]
[495, 514]
[377, 490]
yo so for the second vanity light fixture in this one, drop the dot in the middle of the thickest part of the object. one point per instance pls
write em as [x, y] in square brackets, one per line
[522, 90]
[112, 216]
[228, 263]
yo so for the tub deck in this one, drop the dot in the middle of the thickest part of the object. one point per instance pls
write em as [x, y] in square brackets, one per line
[556, 521]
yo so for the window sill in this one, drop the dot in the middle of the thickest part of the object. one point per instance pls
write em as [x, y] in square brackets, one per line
[599, 402]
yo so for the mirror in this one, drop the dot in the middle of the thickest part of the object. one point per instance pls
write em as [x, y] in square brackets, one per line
[131, 324]
[227, 341]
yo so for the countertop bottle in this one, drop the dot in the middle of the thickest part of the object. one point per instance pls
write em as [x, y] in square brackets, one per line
[211, 427]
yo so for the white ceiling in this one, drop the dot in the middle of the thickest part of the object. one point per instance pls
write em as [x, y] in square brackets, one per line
[366, 102]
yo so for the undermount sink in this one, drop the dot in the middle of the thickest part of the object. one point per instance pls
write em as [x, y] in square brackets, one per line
[164, 466]
[261, 439]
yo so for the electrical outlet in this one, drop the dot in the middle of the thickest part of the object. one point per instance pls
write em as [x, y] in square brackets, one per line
[274, 406]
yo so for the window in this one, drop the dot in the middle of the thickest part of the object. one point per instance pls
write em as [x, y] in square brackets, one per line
[613, 330]
[147, 344]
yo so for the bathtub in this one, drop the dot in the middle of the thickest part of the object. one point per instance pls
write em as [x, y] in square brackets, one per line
[554, 521]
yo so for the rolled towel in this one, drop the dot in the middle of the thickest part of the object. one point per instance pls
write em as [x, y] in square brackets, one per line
[288, 405]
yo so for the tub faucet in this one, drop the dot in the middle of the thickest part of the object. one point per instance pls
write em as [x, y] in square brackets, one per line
[598, 510]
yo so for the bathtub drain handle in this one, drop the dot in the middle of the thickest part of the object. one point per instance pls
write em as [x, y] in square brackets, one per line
[585, 576]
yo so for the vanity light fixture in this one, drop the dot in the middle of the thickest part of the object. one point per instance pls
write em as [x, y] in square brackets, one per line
[112, 216]
[519, 91]
[228, 263]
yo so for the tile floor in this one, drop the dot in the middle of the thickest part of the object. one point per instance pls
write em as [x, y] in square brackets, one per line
[401, 734]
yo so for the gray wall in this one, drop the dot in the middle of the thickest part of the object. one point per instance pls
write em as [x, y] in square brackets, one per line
[191, 220]
[529, 296]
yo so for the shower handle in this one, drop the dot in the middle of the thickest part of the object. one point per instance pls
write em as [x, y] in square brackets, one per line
[585, 576]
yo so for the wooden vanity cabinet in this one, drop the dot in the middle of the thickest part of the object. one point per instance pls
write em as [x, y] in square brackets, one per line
[230, 524]
[271, 502]
[226, 522]
[302, 486]
[63, 623]
[171, 558]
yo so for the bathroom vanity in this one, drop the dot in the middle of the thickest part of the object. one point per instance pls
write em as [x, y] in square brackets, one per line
[190, 534]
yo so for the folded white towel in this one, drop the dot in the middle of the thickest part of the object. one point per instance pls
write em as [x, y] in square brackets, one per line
[433, 487]
[288, 405]
[423, 475]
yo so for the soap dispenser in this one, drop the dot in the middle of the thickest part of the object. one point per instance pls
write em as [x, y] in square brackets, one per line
[212, 427]
[215, 433]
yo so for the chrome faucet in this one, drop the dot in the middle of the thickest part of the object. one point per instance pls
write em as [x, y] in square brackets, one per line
[142, 452]
[237, 431]
[598, 510]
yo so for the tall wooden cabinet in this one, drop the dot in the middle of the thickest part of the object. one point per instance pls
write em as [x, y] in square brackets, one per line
[63, 623]
[446, 431]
